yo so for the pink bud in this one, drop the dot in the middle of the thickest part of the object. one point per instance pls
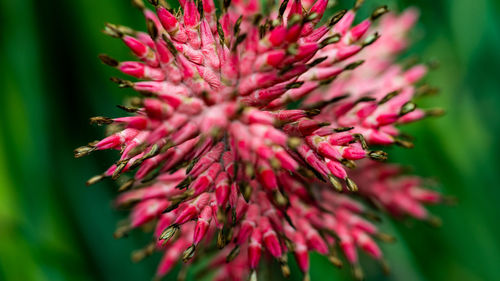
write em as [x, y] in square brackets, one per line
[354, 152]
[156, 109]
[208, 6]
[300, 252]
[202, 224]
[359, 30]
[345, 23]
[267, 177]
[222, 189]
[206, 179]
[336, 169]
[277, 36]
[171, 256]
[340, 138]
[270, 238]
[117, 139]
[147, 210]
[367, 244]
[168, 20]
[255, 249]
[191, 15]
[415, 73]
[139, 49]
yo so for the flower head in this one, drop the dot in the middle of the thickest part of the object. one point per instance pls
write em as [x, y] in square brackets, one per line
[249, 127]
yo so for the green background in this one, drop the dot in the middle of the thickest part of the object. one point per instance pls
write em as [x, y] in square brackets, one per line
[52, 227]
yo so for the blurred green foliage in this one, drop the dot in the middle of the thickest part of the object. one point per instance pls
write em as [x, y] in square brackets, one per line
[54, 228]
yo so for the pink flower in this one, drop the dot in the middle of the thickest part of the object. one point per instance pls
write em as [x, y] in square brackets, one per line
[250, 129]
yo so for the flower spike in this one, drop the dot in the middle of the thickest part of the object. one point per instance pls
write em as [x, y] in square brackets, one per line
[252, 133]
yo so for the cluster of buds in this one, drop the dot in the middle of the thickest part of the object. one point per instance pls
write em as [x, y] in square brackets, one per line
[249, 130]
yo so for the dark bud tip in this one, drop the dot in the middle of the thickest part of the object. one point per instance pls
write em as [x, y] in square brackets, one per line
[336, 261]
[293, 142]
[292, 49]
[371, 39]
[220, 31]
[170, 45]
[337, 185]
[247, 191]
[433, 64]
[191, 165]
[364, 99]
[199, 6]
[83, 150]
[294, 85]
[221, 241]
[449, 200]
[435, 112]
[434, 221]
[378, 155]
[351, 185]
[285, 69]
[384, 237]
[152, 30]
[112, 30]
[361, 140]
[407, 108]
[358, 4]
[100, 120]
[280, 199]
[188, 253]
[388, 97]
[185, 183]
[139, 4]
[119, 168]
[140, 254]
[310, 17]
[154, 2]
[285, 269]
[137, 256]
[426, 90]
[128, 109]
[357, 272]
[233, 254]
[328, 80]
[168, 233]
[354, 65]
[108, 60]
[330, 40]
[337, 17]
[317, 61]
[128, 184]
[282, 8]
[372, 216]
[379, 12]
[238, 41]
[236, 28]
[122, 83]
[403, 143]
[257, 18]
[385, 267]
[155, 150]
[173, 206]
[348, 163]
[121, 231]
[342, 129]
[312, 112]
[94, 179]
